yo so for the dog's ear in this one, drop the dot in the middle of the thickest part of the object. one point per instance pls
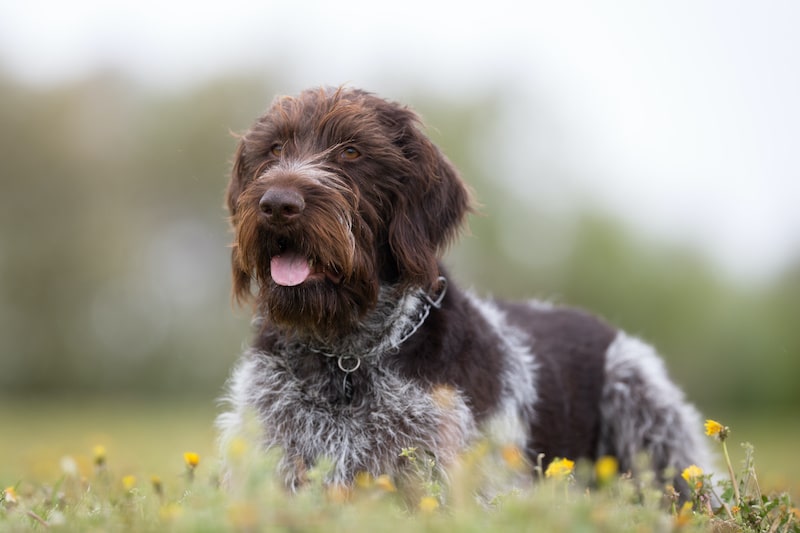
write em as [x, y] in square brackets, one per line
[431, 208]
[240, 277]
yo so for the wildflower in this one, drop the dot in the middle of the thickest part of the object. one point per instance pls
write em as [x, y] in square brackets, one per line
[9, 496]
[192, 459]
[605, 469]
[559, 468]
[363, 480]
[735, 509]
[158, 487]
[513, 457]
[69, 466]
[170, 512]
[428, 504]
[385, 483]
[99, 453]
[684, 516]
[693, 474]
[129, 482]
[715, 429]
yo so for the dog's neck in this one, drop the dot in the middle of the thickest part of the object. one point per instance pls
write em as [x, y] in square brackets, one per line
[395, 318]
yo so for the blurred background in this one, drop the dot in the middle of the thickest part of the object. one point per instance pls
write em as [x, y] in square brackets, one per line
[637, 159]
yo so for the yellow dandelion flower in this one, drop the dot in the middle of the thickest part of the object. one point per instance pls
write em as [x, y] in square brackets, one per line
[605, 469]
[384, 482]
[10, 495]
[99, 453]
[559, 468]
[170, 511]
[363, 480]
[158, 487]
[693, 473]
[684, 516]
[715, 429]
[428, 504]
[735, 509]
[192, 459]
[513, 457]
[129, 482]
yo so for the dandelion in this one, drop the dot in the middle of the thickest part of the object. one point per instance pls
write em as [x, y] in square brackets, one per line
[158, 487]
[363, 480]
[99, 453]
[9, 496]
[559, 468]
[684, 515]
[720, 432]
[192, 460]
[129, 482]
[715, 429]
[693, 475]
[384, 482]
[605, 469]
[513, 457]
[428, 504]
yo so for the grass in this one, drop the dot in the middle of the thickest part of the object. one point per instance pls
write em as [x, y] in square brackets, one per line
[144, 482]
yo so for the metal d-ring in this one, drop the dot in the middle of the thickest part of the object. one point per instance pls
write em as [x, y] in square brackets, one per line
[344, 368]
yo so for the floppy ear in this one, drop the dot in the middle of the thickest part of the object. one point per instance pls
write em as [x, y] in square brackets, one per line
[430, 209]
[239, 172]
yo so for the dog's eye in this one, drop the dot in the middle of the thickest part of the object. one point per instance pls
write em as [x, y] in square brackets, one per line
[276, 150]
[349, 154]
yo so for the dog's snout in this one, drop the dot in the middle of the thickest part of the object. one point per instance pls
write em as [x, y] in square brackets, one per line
[281, 204]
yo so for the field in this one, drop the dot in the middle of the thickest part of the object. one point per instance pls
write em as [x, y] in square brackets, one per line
[140, 480]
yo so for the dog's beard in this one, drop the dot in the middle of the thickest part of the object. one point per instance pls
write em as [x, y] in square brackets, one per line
[314, 280]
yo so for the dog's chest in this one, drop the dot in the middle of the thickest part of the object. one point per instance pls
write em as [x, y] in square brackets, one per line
[360, 421]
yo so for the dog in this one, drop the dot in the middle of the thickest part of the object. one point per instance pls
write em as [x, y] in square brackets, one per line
[341, 208]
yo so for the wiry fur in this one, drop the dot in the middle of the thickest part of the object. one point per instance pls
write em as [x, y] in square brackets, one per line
[363, 358]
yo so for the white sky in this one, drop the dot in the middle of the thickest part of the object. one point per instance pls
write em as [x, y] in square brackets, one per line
[682, 117]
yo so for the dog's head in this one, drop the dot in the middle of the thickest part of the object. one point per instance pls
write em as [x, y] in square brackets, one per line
[334, 193]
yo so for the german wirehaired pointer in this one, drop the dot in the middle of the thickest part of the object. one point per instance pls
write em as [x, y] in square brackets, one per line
[341, 208]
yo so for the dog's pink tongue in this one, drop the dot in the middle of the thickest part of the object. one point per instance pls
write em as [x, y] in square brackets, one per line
[289, 269]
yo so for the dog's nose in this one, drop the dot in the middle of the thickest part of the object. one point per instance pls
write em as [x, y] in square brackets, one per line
[281, 205]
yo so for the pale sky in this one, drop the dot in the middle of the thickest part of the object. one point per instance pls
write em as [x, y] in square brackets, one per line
[681, 117]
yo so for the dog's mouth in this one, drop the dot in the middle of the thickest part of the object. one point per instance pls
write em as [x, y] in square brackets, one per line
[290, 268]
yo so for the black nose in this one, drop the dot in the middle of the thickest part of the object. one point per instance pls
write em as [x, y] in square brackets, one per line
[282, 204]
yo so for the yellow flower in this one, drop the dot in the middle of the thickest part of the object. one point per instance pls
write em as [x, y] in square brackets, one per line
[428, 504]
[559, 468]
[693, 473]
[684, 516]
[158, 487]
[605, 469]
[513, 457]
[384, 482]
[192, 459]
[715, 429]
[99, 453]
[363, 480]
[129, 482]
[10, 495]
